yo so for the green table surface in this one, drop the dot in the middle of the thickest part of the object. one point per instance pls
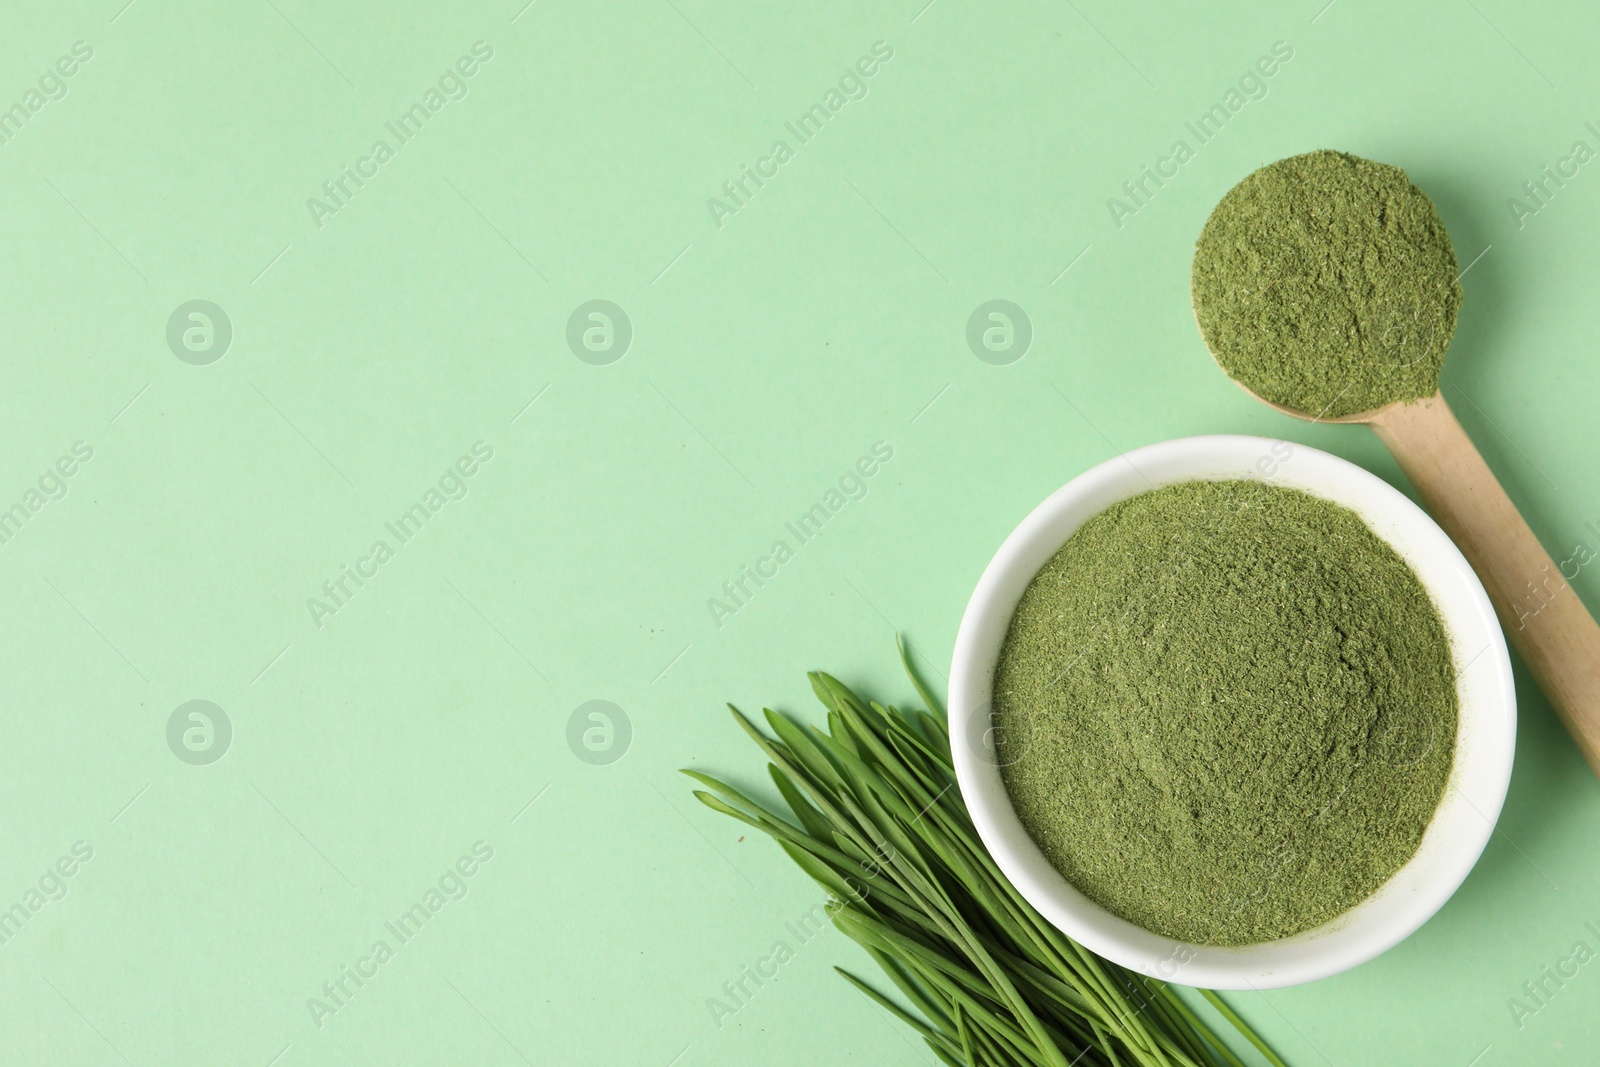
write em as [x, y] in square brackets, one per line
[396, 217]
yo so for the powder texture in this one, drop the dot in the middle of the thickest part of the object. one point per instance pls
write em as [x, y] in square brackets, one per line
[1226, 711]
[1326, 283]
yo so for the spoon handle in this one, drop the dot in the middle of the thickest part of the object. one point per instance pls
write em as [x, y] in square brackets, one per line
[1541, 613]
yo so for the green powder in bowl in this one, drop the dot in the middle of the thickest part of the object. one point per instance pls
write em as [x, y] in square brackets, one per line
[1226, 711]
[1325, 283]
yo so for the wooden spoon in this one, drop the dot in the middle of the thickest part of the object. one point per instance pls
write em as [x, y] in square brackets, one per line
[1542, 615]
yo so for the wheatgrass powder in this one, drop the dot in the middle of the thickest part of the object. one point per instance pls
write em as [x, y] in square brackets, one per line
[1226, 711]
[1326, 283]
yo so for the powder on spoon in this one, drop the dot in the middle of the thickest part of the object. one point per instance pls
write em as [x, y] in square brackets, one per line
[1226, 711]
[1326, 283]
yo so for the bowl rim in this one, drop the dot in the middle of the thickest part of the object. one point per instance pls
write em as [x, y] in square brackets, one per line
[1485, 740]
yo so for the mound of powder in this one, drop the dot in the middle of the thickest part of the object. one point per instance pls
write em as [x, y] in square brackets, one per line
[1326, 283]
[1226, 711]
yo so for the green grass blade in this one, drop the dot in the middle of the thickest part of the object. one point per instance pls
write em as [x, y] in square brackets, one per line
[928, 700]
[1243, 1027]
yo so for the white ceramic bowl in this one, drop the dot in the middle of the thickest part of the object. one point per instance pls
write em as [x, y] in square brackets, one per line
[1484, 740]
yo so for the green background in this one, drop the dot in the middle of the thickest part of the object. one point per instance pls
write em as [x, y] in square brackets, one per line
[767, 355]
